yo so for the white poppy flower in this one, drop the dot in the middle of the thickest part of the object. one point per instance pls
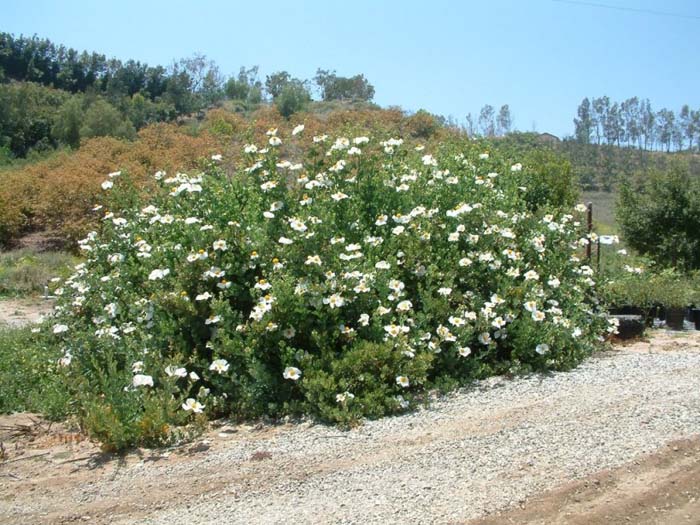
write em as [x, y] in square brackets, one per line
[142, 380]
[292, 373]
[193, 405]
[219, 366]
[403, 381]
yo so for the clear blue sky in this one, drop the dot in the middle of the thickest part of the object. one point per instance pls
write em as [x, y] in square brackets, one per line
[450, 57]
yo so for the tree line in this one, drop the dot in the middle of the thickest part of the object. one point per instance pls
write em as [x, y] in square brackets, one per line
[489, 123]
[634, 123]
[52, 95]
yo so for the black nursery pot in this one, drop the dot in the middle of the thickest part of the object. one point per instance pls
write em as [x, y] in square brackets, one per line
[695, 317]
[675, 318]
[630, 326]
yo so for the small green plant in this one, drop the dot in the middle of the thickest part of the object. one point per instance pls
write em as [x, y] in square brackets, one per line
[24, 272]
[31, 378]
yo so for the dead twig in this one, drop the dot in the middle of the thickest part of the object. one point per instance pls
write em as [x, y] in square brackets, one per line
[25, 457]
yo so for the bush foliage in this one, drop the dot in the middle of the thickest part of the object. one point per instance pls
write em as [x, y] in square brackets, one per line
[660, 217]
[340, 282]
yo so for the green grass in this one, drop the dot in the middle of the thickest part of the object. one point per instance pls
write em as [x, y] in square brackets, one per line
[25, 272]
[30, 378]
[604, 220]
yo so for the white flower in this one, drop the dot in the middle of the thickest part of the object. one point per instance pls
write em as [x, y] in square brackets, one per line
[60, 328]
[484, 338]
[444, 291]
[364, 319]
[285, 240]
[142, 380]
[194, 376]
[175, 372]
[107, 184]
[213, 319]
[217, 157]
[339, 196]
[464, 351]
[203, 296]
[158, 274]
[394, 330]
[137, 367]
[344, 397]
[402, 381]
[193, 405]
[382, 265]
[334, 301]
[516, 167]
[531, 275]
[219, 366]
[464, 261]
[297, 225]
[542, 348]
[483, 156]
[530, 306]
[404, 306]
[289, 332]
[313, 259]
[553, 282]
[581, 208]
[292, 373]
[538, 316]
[275, 141]
[298, 129]
[220, 245]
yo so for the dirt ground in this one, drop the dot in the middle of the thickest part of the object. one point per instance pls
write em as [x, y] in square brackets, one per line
[661, 488]
[49, 473]
[20, 312]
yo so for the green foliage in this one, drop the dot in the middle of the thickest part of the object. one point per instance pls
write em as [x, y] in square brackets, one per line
[26, 116]
[293, 98]
[69, 120]
[102, 120]
[31, 380]
[660, 217]
[340, 284]
[334, 87]
[24, 272]
[635, 281]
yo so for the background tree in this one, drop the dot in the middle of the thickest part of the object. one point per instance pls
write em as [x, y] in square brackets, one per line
[660, 216]
[334, 87]
[294, 97]
[584, 122]
[69, 120]
[275, 83]
[600, 109]
[470, 125]
[487, 123]
[102, 119]
[504, 120]
[665, 123]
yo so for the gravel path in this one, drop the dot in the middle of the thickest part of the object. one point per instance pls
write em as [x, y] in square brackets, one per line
[486, 448]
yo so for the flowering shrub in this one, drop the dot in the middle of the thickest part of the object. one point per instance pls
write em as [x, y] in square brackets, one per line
[340, 284]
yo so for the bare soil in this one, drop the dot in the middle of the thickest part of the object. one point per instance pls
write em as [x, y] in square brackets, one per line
[661, 488]
[20, 312]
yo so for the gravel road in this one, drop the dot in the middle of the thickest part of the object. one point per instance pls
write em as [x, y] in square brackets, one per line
[486, 448]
